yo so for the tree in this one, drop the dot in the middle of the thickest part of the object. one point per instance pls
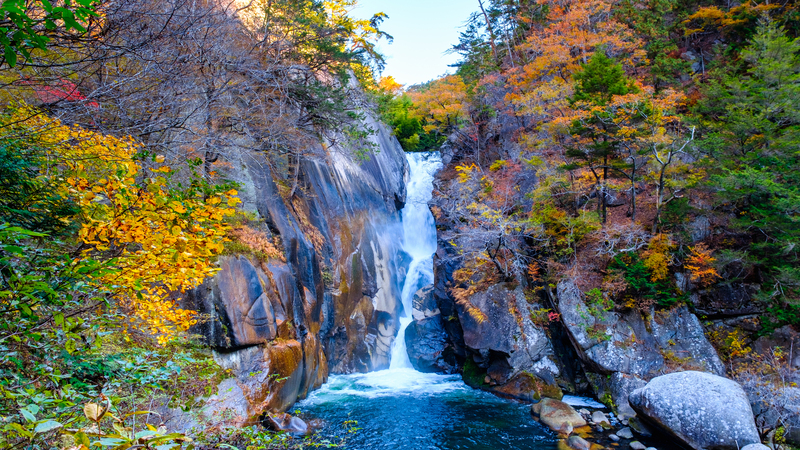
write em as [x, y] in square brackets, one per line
[751, 123]
[595, 128]
[31, 24]
[153, 237]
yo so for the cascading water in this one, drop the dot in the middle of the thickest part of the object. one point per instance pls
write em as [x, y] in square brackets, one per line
[419, 242]
[401, 408]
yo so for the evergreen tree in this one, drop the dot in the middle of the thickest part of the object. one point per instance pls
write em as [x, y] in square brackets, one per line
[599, 81]
[752, 129]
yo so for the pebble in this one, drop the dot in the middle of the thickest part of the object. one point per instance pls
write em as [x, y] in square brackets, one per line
[625, 433]
[578, 443]
[651, 448]
[598, 417]
[584, 412]
[613, 437]
[636, 445]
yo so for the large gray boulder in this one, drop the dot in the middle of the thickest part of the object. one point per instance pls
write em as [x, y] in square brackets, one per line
[702, 410]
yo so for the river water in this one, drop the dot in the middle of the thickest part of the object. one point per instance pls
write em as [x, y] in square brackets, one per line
[401, 408]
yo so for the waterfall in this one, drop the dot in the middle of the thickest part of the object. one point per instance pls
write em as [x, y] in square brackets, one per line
[419, 242]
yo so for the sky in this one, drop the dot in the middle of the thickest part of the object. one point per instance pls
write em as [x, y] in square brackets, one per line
[423, 31]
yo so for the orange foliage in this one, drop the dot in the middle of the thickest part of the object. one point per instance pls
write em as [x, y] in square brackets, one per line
[700, 265]
[441, 104]
[572, 31]
[259, 242]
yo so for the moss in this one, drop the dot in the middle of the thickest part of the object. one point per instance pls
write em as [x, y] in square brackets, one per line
[608, 401]
[472, 374]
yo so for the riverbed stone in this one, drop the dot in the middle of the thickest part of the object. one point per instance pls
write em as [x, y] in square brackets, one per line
[578, 443]
[557, 415]
[625, 433]
[758, 446]
[636, 445]
[599, 417]
[699, 409]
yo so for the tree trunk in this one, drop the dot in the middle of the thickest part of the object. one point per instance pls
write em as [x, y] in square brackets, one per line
[491, 32]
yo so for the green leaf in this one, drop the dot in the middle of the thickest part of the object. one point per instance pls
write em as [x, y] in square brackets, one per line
[11, 56]
[27, 415]
[48, 425]
[19, 429]
[111, 442]
[82, 439]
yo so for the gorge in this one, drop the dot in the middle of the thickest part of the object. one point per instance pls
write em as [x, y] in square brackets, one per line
[223, 226]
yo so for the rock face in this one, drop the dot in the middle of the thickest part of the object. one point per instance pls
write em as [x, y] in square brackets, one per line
[331, 302]
[702, 410]
[428, 346]
[269, 378]
[501, 340]
[633, 348]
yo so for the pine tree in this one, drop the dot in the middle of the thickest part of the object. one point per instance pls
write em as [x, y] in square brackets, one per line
[752, 129]
[600, 80]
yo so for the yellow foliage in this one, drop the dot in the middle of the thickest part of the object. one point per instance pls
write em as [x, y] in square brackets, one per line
[441, 104]
[736, 16]
[465, 172]
[731, 344]
[159, 242]
[657, 257]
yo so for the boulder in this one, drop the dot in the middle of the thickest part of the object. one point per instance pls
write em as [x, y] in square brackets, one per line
[287, 423]
[429, 348]
[557, 415]
[424, 303]
[578, 443]
[599, 417]
[699, 409]
[758, 446]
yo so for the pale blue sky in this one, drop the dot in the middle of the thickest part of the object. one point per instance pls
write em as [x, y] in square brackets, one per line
[423, 30]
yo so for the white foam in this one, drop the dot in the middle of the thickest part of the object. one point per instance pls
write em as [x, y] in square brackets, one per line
[385, 383]
[574, 400]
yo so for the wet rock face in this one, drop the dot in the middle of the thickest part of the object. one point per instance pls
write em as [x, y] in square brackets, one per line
[501, 338]
[702, 410]
[333, 304]
[429, 345]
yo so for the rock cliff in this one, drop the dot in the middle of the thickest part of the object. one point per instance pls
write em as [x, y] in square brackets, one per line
[331, 303]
